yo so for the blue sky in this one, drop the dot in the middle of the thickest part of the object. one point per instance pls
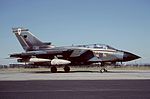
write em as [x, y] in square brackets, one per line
[123, 24]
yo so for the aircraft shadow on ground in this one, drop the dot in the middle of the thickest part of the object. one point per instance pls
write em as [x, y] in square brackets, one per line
[49, 72]
[65, 72]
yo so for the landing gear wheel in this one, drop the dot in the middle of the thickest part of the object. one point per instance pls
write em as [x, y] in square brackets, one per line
[53, 69]
[66, 69]
[103, 70]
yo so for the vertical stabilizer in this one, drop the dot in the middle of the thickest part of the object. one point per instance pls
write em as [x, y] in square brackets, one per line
[27, 40]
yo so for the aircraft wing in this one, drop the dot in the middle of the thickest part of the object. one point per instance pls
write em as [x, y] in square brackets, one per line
[76, 56]
[41, 53]
[45, 53]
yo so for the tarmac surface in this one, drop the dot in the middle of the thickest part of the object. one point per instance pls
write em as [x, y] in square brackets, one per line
[13, 75]
[75, 89]
[35, 84]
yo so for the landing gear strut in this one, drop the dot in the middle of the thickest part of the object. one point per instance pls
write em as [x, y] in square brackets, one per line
[66, 69]
[53, 69]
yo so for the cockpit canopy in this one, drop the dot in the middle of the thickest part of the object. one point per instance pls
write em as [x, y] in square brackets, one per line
[100, 46]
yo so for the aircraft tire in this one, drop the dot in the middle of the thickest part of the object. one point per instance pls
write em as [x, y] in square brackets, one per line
[102, 70]
[105, 70]
[66, 69]
[53, 69]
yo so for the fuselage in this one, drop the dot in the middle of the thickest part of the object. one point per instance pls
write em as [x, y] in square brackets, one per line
[86, 54]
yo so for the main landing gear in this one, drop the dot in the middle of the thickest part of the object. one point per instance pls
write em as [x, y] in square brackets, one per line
[54, 69]
[66, 69]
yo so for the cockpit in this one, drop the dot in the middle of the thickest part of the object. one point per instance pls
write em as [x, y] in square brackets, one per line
[100, 46]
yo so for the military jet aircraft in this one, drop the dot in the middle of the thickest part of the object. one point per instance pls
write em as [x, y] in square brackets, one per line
[44, 53]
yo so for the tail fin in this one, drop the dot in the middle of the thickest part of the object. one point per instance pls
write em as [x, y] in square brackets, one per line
[28, 41]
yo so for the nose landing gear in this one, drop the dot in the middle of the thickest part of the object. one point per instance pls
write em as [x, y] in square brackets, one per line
[103, 70]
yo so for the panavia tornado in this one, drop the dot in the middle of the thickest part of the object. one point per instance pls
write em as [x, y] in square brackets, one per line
[44, 53]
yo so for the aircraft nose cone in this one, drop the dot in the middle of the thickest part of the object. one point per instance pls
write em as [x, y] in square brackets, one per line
[129, 56]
